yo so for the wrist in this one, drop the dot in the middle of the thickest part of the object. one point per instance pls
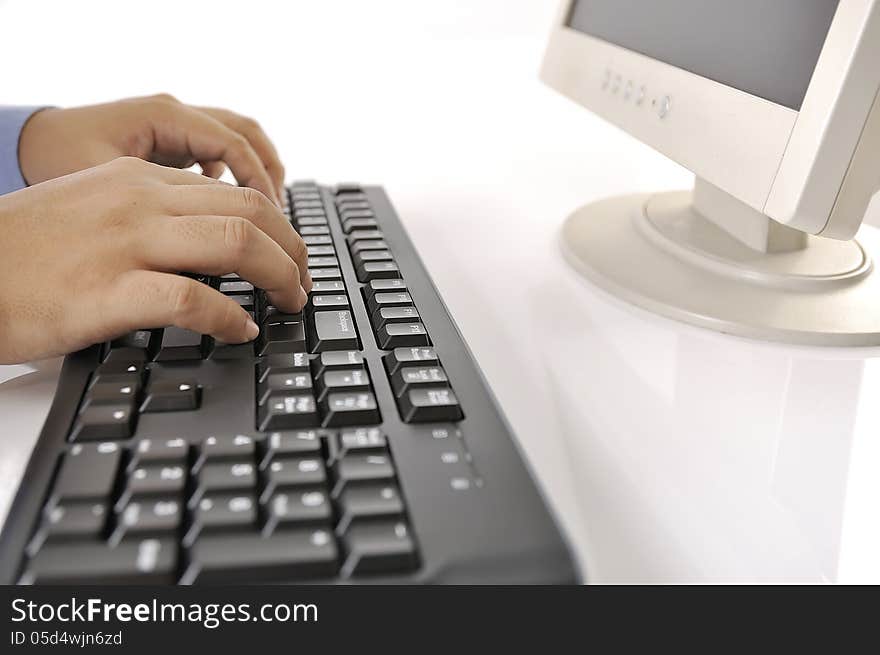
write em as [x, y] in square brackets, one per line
[34, 149]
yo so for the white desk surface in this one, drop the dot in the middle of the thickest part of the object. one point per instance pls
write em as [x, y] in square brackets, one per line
[670, 454]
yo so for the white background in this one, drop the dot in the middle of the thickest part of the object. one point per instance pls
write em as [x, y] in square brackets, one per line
[437, 100]
[660, 467]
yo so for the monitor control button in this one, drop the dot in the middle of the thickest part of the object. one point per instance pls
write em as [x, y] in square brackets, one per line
[663, 106]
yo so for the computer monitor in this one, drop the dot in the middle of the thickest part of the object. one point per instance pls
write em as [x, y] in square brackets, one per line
[774, 105]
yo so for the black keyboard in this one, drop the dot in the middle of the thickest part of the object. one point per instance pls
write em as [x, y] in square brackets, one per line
[354, 442]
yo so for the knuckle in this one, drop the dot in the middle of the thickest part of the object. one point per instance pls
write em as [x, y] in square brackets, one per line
[231, 314]
[182, 297]
[248, 124]
[237, 237]
[166, 98]
[291, 270]
[253, 201]
[128, 163]
[238, 142]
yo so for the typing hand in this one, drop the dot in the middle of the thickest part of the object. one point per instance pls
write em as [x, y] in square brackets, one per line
[90, 256]
[160, 129]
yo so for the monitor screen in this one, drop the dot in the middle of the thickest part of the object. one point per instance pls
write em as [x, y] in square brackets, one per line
[768, 48]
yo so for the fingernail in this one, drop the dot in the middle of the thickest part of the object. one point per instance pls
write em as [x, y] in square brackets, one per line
[304, 297]
[251, 330]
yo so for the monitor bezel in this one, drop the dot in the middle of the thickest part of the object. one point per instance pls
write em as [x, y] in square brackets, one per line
[788, 164]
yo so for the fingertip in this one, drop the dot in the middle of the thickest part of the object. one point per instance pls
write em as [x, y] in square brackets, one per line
[251, 330]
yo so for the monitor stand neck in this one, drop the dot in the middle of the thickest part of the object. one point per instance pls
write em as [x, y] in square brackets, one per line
[705, 258]
[742, 222]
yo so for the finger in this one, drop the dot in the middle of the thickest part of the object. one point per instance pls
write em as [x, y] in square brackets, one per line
[237, 201]
[207, 139]
[145, 299]
[217, 245]
[212, 169]
[257, 137]
[162, 174]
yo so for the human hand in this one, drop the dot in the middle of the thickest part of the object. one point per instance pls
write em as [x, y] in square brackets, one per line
[90, 256]
[55, 142]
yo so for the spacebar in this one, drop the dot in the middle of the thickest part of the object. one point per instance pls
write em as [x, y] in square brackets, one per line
[288, 555]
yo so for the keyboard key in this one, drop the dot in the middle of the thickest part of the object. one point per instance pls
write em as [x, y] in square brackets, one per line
[341, 409]
[318, 218]
[293, 472]
[372, 256]
[376, 270]
[431, 404]
[99, 422]
[364, 235]
[368, 501]
[321, 251]
[349, 203]
[131, 562]
[227, 476]
[148, 516]
[359, 223]
[238, 286]
[284, 337]
[317, 239]
[113, 393]
[378, 547]
[404, 356]
[334, 330]
[358, 440]
[402, 335]
[246, 300]
[385, 315]
[296, 507]
[325, 274]
[111, 370]
[281, 384]
[299, 205]
[388, 299]
[294, 442]
[329, 302]
[180, 344]
[328, 286]
[337, 359]
[154, 480]
[140, 343]
[289, 411]
[223, 350]
[172, 396]
[88, 472]
[226, 447]
[165, 451]
[70, 521]
[128, 355]
[323, 261]
[346, 211]
[413, 377]
[221, 512]
[343, 380]
[311, 230]
[382, 286]
[361, 246]
[286, 555]
[361, 467]
[283, 363]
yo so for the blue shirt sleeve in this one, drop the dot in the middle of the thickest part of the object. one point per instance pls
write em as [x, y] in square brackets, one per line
[12, 120]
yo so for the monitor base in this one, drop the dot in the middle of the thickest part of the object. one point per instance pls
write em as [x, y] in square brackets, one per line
[659, 253]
